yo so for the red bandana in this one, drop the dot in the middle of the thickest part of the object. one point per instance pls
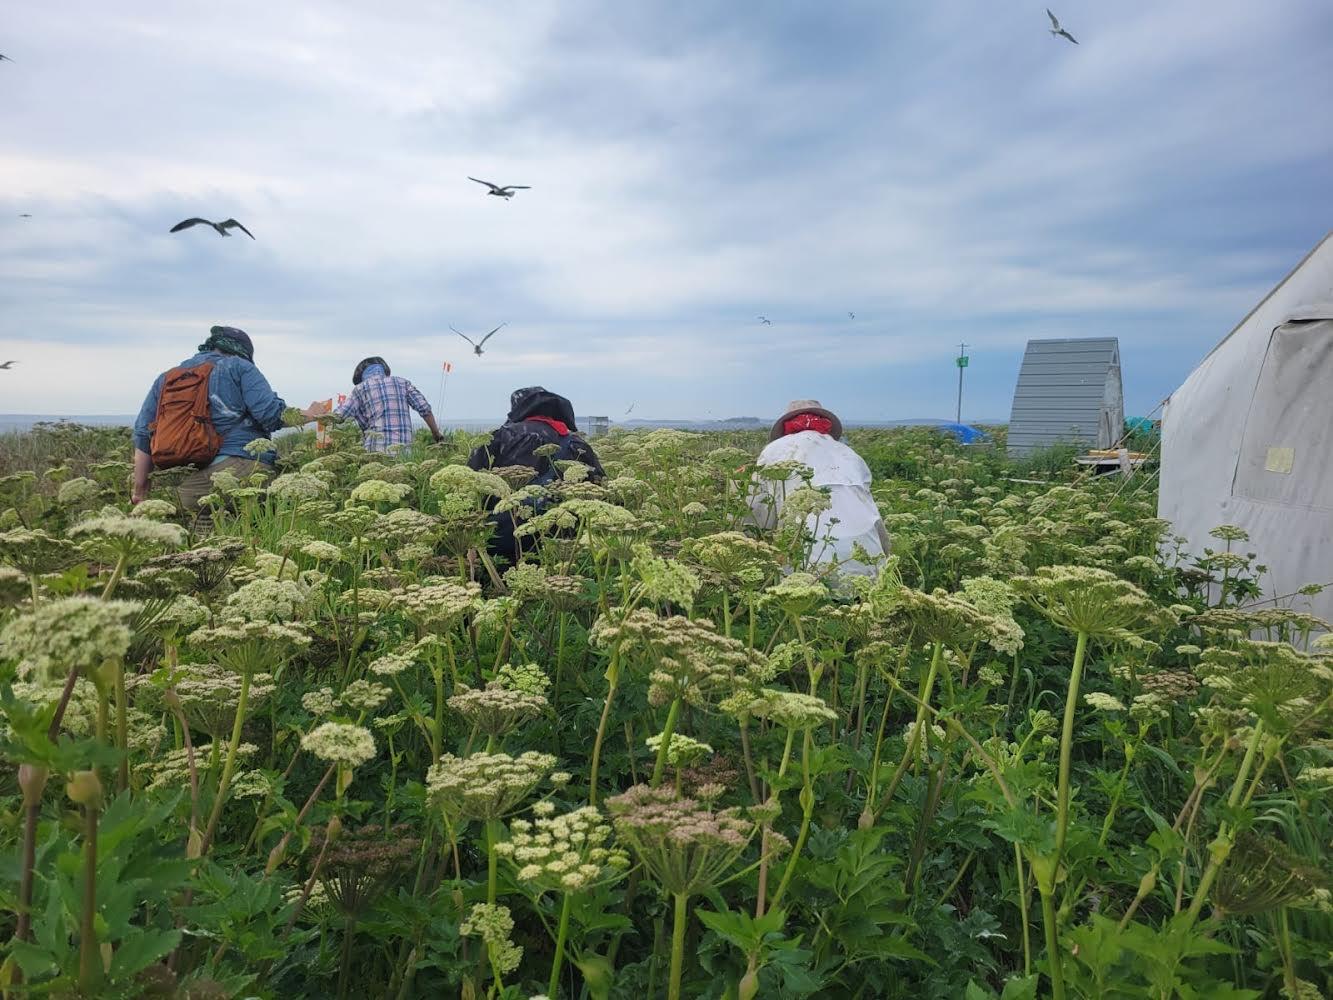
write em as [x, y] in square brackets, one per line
[807, 422]
[560, 426]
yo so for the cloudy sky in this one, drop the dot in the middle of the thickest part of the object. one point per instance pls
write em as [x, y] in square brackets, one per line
[948, 171]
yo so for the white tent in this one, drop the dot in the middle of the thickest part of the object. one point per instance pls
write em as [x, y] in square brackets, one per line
[1248, 439]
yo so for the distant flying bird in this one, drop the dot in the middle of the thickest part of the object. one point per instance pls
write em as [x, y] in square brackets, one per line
[631, 407]
[502, 192]
[476, 347]
[3, 57]
[221, 227]
[25, 215]
[765, 320]
[1057, 30]
[7, 365]
[851, 315]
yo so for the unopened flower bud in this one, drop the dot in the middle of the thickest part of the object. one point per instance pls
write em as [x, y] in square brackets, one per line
[85, 789]
[1147, 883]
[32, 779]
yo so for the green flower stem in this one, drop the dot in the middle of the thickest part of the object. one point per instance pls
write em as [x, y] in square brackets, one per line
[437, 723]
[559, 662]
[679, 921]
[934, 789]
[1220, 848]
[1054, 967]
[279, 851]
[1067, 747]
[867, 817]
[1290, 982]
[116, 575]
[53, 730]
[1130, 749]
[612, 682]
[910, 753]
[90, 958]
[807, 811]
[492, 861]
[32, 780]
[562, 932]
[748, 757]
[229, 763]
[1023, 909]
[122, 726]
[862, 679]
[100, 725]
[786, 752]
[673, 714]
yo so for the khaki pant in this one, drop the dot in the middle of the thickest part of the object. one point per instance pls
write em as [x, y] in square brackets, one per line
[199, 483]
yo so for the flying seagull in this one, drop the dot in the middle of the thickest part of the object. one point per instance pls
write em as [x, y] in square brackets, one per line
[502, 192]
[851, 315]
[631, 407]
[3, 57]
[765, 320]
[1057, 30]
[25, 215]
[221, 227]
[476, 347]
[7, 365]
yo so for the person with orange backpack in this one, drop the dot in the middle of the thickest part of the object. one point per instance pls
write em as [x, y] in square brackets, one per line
[203, 413]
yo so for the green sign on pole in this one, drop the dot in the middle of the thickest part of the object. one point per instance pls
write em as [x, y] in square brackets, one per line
[962, 361]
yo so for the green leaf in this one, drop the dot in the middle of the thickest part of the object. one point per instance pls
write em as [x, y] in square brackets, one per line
[136, 953]
[975, 992]
[1020, 988]
[36, 962]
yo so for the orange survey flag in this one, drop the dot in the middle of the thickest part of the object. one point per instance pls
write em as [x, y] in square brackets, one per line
[322, 406]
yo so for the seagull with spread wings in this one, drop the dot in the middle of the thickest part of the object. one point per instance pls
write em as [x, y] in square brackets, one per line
[1058, 31]
[506, 191]
[765, 320]
[476, 346]
[5, 58]
[7, 365]
[221, 227]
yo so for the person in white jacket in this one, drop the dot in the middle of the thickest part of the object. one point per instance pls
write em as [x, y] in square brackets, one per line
[809, 434]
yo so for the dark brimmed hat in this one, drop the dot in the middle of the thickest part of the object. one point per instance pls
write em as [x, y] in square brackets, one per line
[798, 406]
[366, 363]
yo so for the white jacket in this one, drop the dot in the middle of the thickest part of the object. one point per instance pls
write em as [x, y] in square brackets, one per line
[847, 478]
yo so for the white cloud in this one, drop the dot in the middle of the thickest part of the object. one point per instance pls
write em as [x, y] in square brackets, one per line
[947, 171]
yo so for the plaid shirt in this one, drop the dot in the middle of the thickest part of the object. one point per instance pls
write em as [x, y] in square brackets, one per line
[382, 409]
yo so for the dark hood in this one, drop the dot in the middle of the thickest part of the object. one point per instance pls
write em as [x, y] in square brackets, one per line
[535, 401]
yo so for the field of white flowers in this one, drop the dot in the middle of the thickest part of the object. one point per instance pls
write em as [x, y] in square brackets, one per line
[329, 750]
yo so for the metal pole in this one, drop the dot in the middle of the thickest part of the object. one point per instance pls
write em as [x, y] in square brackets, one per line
[958, 416]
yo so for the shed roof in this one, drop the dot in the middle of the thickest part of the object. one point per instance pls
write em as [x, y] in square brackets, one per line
[1062, 387]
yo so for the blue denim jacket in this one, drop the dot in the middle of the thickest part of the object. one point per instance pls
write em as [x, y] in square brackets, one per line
[244, 406]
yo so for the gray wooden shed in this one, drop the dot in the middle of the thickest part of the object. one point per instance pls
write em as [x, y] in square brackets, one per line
[1069, 391]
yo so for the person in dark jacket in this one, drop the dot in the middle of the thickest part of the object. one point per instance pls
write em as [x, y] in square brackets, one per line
[537, 417]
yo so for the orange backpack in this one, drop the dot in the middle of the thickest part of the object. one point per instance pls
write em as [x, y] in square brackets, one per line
[183, 431]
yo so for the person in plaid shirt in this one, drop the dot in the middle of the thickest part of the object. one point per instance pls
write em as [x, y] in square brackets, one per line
[381, 405]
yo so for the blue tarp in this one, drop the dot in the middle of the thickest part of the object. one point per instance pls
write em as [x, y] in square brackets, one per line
[964, 433]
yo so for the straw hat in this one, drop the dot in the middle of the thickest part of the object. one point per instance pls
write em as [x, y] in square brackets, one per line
[798, 406]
